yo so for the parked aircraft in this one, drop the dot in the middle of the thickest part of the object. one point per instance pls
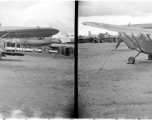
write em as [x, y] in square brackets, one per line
[136, 38]
[64, 38]
[25, 36]
[67, 40]
[89, 38]
[55, 46]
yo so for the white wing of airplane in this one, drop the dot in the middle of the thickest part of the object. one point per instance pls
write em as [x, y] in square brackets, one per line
[119, 28]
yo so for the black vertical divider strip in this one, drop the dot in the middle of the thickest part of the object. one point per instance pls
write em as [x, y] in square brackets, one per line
[75, 112]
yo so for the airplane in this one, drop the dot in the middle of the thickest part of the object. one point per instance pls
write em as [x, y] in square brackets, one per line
[89, 38]
[66, 38]
[63, 41]
[56, 46]
[136, 38]
[25, 36]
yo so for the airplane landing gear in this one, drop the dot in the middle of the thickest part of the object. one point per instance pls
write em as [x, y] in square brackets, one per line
[131, 60]
[149, 57]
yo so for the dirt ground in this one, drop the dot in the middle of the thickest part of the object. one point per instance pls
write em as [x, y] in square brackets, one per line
[113, 89]
[36, 85]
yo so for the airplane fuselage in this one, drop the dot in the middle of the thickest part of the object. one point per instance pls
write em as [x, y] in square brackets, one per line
[29, 41]
[138, 42]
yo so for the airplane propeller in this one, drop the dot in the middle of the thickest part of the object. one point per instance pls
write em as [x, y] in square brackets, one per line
[119, 41]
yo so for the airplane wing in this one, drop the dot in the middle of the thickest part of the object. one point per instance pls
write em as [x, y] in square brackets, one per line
[119, 28]
[31, 32]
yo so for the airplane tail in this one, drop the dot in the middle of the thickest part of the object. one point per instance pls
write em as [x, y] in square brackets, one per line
[92, 36]
[89, 34]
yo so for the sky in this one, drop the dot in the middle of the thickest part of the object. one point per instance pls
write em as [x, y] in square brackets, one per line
[42, 13]
[112, 12]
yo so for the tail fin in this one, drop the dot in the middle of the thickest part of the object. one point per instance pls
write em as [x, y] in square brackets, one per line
[89, 34]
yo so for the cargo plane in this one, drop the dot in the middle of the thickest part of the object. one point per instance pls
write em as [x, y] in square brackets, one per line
[135, 37]
[25, 36]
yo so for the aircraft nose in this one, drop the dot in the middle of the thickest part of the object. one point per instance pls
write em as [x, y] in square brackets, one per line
[55, 31]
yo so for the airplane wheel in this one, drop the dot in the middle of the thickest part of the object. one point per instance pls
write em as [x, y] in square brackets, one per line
[131, 60]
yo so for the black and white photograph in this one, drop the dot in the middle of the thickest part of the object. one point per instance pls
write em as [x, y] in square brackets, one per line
[115, 59]
[36, 59]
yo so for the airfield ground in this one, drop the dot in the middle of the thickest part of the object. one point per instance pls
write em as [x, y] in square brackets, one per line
[36, 85]
[118, 90]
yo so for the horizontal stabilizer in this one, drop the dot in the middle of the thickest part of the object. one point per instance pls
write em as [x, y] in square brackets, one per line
[13, 53]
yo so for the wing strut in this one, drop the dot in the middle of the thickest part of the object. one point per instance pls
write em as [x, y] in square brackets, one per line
[4, 35]
[38, 27]
[149, 37]
[136, 40]
[133, 42]
[137, 54]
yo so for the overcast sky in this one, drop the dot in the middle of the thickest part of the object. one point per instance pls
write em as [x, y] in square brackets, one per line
[44, 13]
[113, 12]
